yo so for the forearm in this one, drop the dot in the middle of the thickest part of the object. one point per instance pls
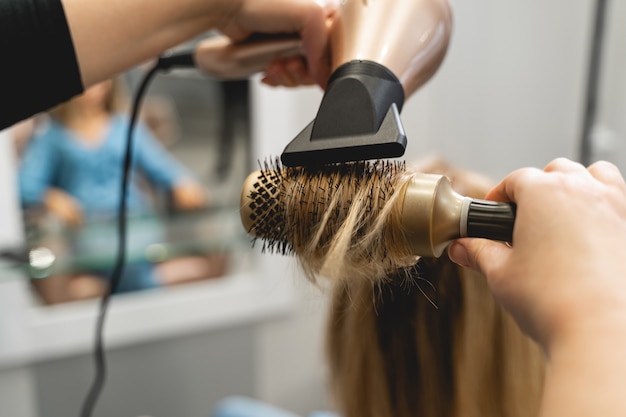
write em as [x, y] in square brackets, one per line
[585, 376]
[111, 36]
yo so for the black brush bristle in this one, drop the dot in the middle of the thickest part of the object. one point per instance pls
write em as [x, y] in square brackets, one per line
[283, 229]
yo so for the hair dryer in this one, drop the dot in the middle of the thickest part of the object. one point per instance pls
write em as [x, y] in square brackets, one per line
[381, 52]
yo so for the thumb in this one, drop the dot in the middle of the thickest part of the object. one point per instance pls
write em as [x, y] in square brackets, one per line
[481, 255]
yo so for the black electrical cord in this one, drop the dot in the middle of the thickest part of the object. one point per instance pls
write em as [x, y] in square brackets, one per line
[184, 59]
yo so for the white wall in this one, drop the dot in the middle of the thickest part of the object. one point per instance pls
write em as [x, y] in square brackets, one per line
[17, 388]
[509, 91]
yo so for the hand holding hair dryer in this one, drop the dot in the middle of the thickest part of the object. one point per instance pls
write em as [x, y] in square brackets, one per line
[382, 51]
[222, 58]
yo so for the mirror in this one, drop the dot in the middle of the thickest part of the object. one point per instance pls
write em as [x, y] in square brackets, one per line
[191, 155]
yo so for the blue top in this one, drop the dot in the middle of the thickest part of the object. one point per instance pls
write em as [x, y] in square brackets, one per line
[56, 157]
[240, 406]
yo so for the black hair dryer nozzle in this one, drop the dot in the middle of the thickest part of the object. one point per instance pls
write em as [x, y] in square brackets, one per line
[358, 119]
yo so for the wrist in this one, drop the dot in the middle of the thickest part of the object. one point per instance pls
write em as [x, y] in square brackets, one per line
[582, 313]
[586, 370]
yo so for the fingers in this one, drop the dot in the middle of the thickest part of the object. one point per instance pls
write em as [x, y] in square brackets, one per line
[520, 180]
[602, 171]
[315, 38]
[564, 165]
[289, 72]
[310, 19]
[481, 255]
[513, 184]
[607, 173]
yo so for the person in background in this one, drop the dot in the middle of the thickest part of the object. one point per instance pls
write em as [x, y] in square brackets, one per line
[72, 168]
[58, 48]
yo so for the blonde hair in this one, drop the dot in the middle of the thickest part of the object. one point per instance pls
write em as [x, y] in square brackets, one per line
[408, 337]
[116, 101]
[339, 220]
[394, 352]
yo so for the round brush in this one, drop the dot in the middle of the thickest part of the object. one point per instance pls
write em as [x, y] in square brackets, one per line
[421, 214]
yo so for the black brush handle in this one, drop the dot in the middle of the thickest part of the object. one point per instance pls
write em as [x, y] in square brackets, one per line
[491, 220]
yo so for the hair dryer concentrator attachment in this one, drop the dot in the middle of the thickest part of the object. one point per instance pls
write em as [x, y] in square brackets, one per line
[430, 214]
[358, 119]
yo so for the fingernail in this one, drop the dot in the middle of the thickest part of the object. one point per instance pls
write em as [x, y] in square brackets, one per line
[458, 254]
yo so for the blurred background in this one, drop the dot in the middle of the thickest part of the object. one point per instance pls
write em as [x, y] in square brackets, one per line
[523, 82]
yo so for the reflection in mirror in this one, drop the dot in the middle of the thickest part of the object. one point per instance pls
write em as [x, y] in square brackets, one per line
[191, 154]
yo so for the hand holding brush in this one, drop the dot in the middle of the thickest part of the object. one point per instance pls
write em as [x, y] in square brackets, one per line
[373, 212]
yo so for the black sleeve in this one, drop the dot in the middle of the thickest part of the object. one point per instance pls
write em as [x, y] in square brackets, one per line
[38, 68]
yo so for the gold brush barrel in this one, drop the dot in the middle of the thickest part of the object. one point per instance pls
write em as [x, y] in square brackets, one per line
[432, 214]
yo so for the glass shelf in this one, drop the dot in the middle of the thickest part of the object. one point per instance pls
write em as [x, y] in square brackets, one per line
[53, 249]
